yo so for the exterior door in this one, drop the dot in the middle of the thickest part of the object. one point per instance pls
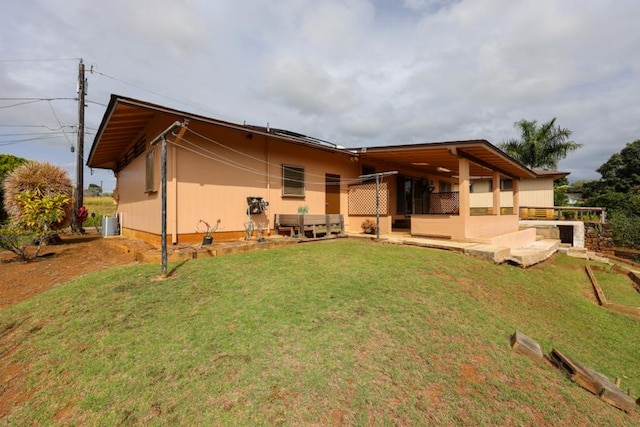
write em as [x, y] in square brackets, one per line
[332, 192]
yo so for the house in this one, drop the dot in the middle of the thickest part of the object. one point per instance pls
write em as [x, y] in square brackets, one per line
[216, 169]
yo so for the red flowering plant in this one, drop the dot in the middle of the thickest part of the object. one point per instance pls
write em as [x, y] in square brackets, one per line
[81, 215]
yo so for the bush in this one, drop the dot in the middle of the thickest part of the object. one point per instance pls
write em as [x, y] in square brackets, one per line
[625, 229]
[35, 226]
[369, 226]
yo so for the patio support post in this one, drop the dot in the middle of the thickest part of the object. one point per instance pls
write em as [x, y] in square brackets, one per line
[496, 193]
[516, 197]
[465, 179]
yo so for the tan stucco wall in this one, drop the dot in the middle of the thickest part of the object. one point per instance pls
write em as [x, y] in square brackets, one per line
[533, 192]
[445, 226]
[355, 223]
[536, 192]
[214, 184]
[471, 228]
[490, 225]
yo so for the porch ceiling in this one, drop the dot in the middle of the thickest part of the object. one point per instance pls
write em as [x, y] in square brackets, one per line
[442, 158]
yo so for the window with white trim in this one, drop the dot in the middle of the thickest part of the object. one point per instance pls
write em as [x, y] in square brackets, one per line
[292, 181]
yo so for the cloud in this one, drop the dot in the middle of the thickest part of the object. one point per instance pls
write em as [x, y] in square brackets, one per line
[359, 73]
[308, 88]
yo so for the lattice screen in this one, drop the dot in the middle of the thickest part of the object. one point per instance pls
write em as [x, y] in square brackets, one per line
[444, 203]
[362, 199]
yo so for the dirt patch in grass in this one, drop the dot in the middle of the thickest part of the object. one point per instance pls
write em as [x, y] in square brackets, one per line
[76, 256]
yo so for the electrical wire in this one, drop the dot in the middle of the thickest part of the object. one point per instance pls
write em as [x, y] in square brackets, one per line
[59, 123]
[93, 70]
[31, 133]
[245, 154]
[201, 151]
[40, 60]
[36, 99]
[26, 101]
[16, 141]
[33, 126]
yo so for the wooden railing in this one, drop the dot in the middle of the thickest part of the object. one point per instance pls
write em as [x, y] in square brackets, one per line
[568, 213]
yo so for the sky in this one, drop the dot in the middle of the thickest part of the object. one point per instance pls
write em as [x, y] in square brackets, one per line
[357, 73]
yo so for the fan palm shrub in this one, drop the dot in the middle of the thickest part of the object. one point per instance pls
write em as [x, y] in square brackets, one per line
[38, 199]
[40, 180]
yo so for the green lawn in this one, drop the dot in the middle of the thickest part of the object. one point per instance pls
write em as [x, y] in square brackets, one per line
[340, 332]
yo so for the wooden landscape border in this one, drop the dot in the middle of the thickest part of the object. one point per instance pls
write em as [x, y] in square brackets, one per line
[602, 299]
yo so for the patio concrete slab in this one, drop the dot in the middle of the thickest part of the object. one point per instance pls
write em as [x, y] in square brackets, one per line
[525, 256]
[448, 245]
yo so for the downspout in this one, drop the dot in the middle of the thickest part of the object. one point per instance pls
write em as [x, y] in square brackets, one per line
[268, 174]
[174, 186]
[174, 180]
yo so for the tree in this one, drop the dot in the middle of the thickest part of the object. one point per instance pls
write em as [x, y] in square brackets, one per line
[618, 190]
[94, 190]
[621, 173]
[540, 146]
[7, 164]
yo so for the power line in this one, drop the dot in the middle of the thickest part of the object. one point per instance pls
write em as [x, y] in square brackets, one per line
[35, 98]
[238, 165]
[59, 123]
[94, 71]
[34, 126]
[59, 132]
[29, 101]
[39, 60]
[16, 141]
[239, 152]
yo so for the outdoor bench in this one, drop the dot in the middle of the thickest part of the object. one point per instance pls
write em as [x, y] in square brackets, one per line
[300, 225]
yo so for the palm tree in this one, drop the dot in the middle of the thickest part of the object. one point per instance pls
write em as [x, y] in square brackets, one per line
[540, 147]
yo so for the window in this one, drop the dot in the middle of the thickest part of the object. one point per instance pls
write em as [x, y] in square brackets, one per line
[445, 187]
[150, 166]
[506, 184]
[292, 181]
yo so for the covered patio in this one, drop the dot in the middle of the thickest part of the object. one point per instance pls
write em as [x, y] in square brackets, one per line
[432, 192]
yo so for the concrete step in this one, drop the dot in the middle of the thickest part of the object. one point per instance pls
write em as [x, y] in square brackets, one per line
[534, 253]
[578, 253]
[497, 254]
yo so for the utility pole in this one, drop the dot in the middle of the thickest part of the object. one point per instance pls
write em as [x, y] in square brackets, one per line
[82, 91]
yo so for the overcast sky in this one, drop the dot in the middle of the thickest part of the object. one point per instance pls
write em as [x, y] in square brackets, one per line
[354, 72]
